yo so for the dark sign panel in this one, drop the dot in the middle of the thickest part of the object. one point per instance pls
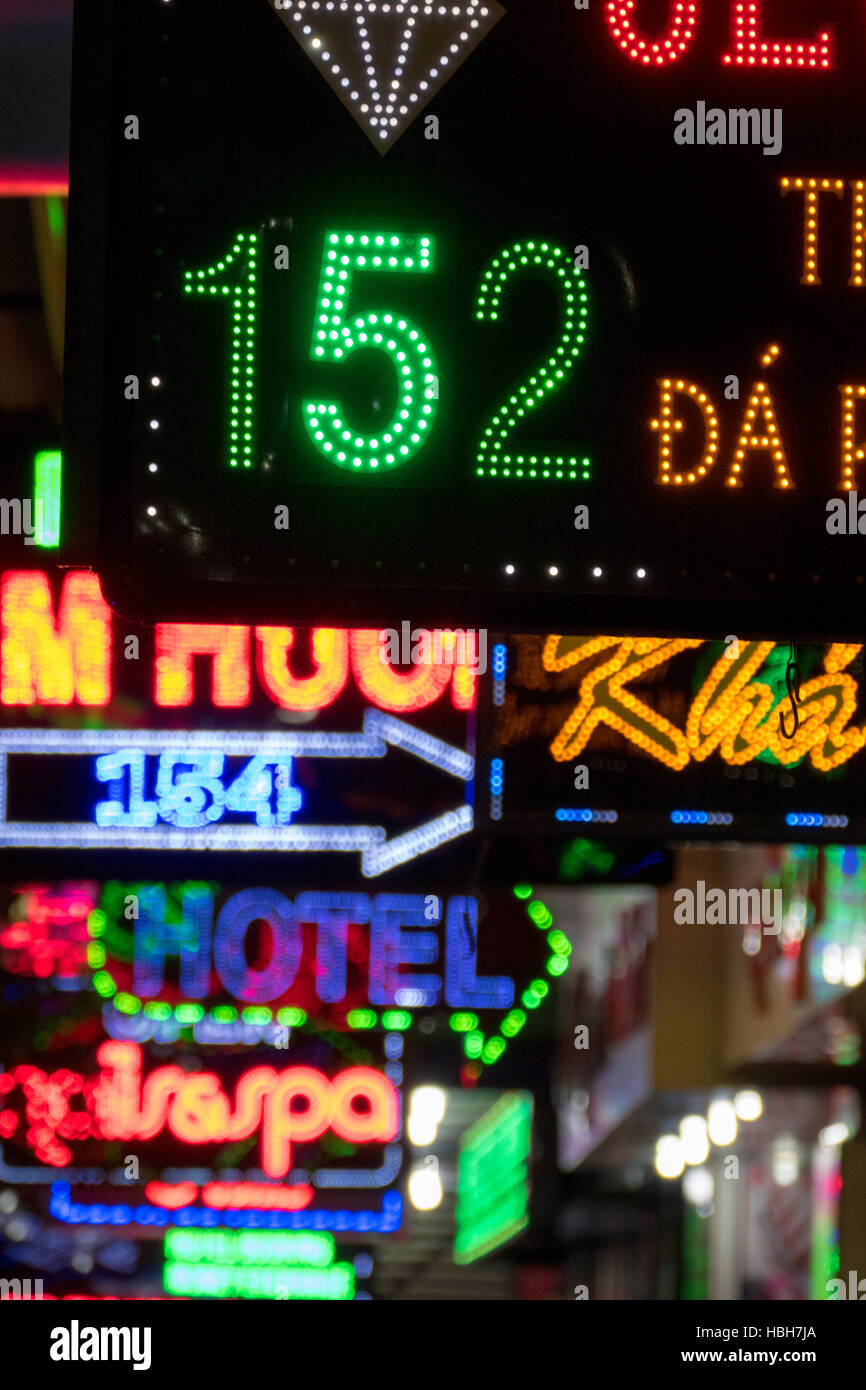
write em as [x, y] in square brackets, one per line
[591, 737]
[465, 308]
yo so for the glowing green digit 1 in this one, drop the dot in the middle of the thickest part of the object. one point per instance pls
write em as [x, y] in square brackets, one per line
[236, 275]
[335, 339]
[492, 460]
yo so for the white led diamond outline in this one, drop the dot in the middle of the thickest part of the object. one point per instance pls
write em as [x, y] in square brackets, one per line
[386, 126]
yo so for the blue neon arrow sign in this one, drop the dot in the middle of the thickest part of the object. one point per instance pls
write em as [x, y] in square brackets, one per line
[206, 749]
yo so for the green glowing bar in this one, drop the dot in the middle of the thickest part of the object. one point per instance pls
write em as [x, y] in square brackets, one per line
[256, 1014]
[293, 1017]
[47, 473]
[493, 1177]
[158, 1010]
[189, 1013]
[335, 1284]
[308, 1248]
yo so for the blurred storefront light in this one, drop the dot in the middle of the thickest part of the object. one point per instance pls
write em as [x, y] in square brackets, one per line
[748, 1105]
[669, 1161]
[693, 1135]
[722, 1122]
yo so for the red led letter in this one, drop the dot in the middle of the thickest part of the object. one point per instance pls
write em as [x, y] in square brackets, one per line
[361, 1127]
[178, 643]
[750, 50]
[680, 31]
[402, 691]
[330, 654]
[283, 1124]
[53, 663]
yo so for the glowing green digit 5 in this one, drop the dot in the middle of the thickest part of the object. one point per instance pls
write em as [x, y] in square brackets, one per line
[335, 339]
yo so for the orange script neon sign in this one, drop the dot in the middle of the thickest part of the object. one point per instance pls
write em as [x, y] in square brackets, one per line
[732, 713]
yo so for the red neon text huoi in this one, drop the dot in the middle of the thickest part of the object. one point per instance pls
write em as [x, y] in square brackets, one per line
[62, 657]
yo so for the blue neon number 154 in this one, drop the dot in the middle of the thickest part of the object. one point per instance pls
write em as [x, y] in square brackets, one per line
[190, 790]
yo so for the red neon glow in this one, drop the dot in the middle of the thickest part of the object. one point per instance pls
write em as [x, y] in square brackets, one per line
[51, 938]
[48, 660]
[681, 28]
[54, 662]
[293, 1106]
[19, 181]
[400, 691]
[259, 1195]
[178, 643]
[751, 50]
[171, 1195]
[330, 654]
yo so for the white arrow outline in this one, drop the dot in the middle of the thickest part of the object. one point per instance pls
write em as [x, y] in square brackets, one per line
[377, 853]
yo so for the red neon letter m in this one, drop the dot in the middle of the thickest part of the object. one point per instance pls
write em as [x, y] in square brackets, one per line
[54, 661]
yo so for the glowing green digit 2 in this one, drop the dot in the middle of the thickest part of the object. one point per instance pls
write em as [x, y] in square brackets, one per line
[492, 460]
[335, 339]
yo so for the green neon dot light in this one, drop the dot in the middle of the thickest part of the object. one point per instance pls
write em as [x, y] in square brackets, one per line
[240, 268]
[411, 357]
[464, 1022]
[493, 450]
[522, 890]
[361, 1018]
[96, 921]
[539, 914]
[396, 1019]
